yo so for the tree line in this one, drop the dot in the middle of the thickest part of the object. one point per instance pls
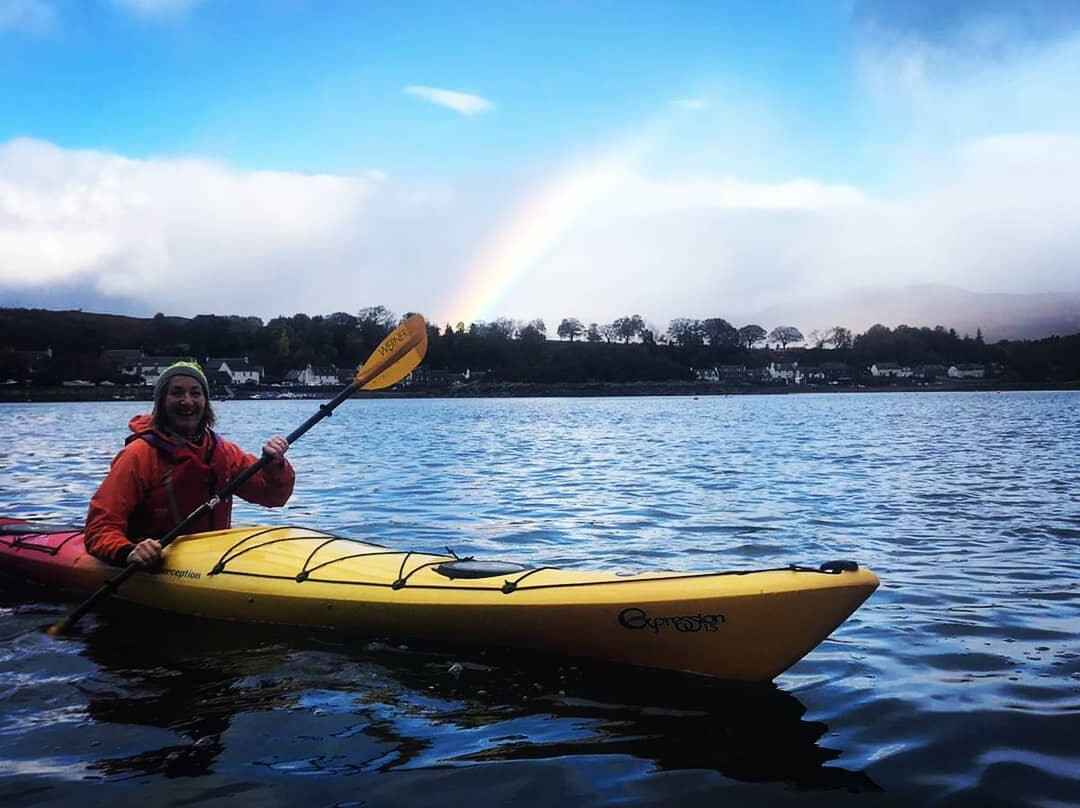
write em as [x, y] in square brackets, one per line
[508, 350]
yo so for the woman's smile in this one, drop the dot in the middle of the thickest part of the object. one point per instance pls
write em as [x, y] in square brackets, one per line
[185, 405]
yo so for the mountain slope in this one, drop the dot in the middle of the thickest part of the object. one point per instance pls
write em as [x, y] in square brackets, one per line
[999, 316]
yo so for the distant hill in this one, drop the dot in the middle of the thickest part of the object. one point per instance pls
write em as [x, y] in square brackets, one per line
[1000, 316]
[23, 329]
[76, 340]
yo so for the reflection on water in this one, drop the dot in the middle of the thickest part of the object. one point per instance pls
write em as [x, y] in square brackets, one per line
[377, 707]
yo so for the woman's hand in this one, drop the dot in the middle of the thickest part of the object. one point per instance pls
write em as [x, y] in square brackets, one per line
[146, 553]
[276, 448]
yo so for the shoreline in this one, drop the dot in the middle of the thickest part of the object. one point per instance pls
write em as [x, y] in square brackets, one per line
[538, 390]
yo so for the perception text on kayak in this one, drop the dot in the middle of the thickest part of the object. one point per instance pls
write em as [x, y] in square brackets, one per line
[637, 619]
[192, 574]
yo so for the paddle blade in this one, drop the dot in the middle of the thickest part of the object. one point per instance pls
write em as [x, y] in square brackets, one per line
[395, 357]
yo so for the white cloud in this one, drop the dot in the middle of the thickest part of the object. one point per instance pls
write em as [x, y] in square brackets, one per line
[463, 103]
[646, 196]
[26, 15]
[998, 215]
[179, 230]
[191, 236]
[925, 96]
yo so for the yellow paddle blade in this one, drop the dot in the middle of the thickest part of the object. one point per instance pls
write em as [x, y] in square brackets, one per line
[395, 357]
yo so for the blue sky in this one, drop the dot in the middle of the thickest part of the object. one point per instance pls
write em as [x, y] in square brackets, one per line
[550, 159]
[319, 86]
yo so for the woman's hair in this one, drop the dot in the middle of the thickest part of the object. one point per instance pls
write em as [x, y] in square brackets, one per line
[161, 421]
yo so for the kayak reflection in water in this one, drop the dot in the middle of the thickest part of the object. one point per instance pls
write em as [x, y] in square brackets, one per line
[174, 462]
[276, 701]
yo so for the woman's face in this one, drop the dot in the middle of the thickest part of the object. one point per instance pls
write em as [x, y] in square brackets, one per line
[184, 404]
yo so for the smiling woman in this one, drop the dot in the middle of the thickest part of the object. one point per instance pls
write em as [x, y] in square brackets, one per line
[181, 401]
[173, 462]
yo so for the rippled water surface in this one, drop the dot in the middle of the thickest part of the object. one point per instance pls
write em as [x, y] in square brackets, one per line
[957, 683]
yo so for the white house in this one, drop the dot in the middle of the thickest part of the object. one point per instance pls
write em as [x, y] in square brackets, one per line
[313, 377]
[244, 373]
[967, 371]
[890, 369]
[721, 373]
[787, 372]
[238, 369]
[728, 373]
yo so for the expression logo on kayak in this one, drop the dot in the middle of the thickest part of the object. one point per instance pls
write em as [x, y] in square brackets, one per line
[638, 620]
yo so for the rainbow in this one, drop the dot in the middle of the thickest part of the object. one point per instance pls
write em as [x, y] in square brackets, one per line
[534, 228]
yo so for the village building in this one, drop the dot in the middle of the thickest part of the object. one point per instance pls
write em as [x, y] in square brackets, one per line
[890, 370]
[35, 360]
[123, 361]
[967, 371]
[238, 369]
[312, 376]
[930, 372]
[786, 372]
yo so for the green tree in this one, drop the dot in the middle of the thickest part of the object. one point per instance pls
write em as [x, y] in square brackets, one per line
[628, 327]
[375, 323]
[503, 328]
[839, 337]
[785, 335]
[569, 328]
[342, 319]
[685, 332]
[719, 331]
[751, 335]
[283, 346]
[534, 331]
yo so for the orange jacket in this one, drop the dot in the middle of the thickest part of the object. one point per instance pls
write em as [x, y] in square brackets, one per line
[157, 480]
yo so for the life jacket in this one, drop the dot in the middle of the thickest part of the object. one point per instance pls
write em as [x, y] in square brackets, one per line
[191, 475]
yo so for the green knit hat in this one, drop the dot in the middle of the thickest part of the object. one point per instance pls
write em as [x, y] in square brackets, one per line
[182, 369]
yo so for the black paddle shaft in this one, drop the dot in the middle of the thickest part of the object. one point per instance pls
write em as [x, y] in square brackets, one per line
[325, 410]
[110, 586]
[404, 348]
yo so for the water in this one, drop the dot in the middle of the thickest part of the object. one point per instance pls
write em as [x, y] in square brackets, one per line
[957, 683]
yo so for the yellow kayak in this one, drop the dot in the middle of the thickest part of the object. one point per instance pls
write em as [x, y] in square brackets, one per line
[733, 625]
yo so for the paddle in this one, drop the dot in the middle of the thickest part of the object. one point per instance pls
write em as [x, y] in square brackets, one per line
[395, 357]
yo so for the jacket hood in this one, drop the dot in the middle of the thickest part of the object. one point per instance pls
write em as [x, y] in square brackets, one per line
[141, 423]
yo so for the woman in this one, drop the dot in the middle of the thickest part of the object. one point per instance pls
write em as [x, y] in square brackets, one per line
[173, 463]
